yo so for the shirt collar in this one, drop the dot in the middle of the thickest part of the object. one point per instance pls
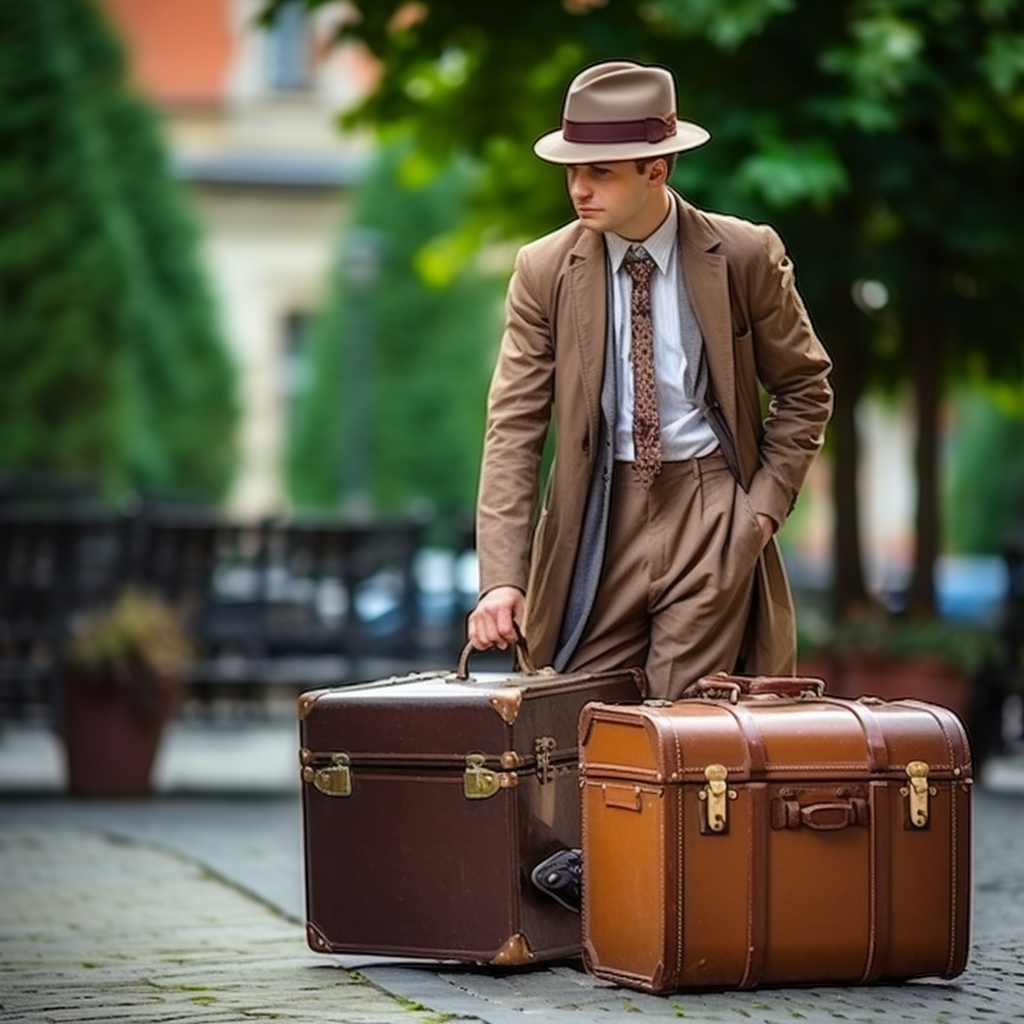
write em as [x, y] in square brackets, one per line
[659, 244]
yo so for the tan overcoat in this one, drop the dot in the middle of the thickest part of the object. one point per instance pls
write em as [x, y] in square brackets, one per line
[757, 335]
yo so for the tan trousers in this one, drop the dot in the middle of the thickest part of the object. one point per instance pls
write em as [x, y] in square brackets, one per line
[677, 580]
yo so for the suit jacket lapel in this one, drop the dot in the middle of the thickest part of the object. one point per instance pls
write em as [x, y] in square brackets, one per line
[706, 274]
[588, 302]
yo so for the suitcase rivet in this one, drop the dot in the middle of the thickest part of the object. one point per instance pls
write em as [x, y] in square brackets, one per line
[510, 760]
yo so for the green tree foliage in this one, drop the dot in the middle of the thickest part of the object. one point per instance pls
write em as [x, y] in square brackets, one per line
[408, 346]
[883, 137]
[986, 477]
[181, 377]
[112, 365]
[63, 278]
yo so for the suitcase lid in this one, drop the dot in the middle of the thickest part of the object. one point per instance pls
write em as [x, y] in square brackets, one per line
[795, 735]
[438, 718]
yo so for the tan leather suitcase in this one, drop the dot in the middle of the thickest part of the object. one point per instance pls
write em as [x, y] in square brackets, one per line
[428, 799]
[764, 834]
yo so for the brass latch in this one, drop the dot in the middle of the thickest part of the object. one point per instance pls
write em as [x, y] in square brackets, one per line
[543, 747]
[478, 782]
[715, 796]
[917, 793]
[333, 780]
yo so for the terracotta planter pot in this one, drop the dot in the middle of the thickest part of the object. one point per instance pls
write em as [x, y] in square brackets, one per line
[110, 748]
[921, 678]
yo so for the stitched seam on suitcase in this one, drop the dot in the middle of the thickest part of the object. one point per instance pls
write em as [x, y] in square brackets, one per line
[879, 924]
[757, 920]
[896, 770]
[833, 768]
[954, 838]
[680, 870]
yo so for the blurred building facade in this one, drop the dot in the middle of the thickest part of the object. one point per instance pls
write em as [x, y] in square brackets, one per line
[250, 115]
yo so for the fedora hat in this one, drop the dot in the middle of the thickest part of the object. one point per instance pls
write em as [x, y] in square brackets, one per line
[618, 110]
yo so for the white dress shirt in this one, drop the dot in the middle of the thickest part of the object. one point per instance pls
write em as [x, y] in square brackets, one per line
[685, 432]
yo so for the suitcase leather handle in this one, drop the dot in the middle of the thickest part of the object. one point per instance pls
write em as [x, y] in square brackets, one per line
[522, 653]
[826, 816]
[722, 685]
[628, 798]
[787, 686]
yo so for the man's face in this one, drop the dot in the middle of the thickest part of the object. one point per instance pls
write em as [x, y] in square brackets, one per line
[613, 196]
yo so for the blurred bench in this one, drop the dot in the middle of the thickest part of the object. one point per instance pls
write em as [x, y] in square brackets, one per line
[53, 563]
[293, 604]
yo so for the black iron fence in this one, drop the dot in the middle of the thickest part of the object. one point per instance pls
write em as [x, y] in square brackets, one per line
[295, 603]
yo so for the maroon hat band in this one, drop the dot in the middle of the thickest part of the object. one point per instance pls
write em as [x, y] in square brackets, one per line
[649, 129]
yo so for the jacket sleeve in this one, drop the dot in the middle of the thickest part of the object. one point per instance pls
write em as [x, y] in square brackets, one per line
[518, 416]
[792, 367]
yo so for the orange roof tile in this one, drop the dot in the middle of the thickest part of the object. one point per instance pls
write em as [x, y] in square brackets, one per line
[179, 50]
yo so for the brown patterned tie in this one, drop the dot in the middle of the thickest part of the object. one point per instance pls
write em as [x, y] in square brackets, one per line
[646, 424]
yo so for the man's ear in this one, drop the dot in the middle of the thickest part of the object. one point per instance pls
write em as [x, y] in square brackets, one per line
[657, 171]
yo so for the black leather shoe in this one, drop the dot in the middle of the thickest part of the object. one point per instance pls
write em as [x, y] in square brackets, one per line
[560, 876]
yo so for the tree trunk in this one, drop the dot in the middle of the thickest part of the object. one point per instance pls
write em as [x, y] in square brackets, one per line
[849, 594]
[926, 351]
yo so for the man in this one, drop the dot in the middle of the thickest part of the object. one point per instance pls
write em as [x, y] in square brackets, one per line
[656, 543]
[644, 333]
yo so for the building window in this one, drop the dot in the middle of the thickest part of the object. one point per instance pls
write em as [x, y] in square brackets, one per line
[294, 362]
[288, 49]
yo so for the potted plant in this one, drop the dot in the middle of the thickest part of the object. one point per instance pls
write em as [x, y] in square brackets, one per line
[124, 672]
[892, 658]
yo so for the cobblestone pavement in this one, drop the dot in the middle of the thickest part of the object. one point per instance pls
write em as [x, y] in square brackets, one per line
[189, 909]
[96, 929]
[112, 921]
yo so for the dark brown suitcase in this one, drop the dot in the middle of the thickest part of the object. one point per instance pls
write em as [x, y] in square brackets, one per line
[767, 834]
[428, 799]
